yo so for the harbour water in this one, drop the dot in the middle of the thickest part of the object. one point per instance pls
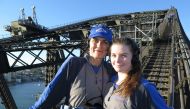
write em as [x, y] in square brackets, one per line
[25, 94]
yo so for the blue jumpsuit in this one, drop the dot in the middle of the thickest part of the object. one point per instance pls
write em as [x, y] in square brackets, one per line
[144, 97]
[87, 87]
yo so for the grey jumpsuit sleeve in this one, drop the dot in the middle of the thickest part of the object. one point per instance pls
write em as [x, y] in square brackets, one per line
[147, 96]
[56, 89]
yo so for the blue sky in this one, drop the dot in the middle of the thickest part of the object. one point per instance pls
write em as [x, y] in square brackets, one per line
[52, 13]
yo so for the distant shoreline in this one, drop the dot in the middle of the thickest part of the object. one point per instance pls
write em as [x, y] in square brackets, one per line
[23, 82]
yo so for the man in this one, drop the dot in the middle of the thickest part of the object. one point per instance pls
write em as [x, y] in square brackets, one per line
[83, 82]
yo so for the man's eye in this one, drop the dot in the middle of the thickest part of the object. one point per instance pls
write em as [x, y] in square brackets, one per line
[95, 40]
[106, 42]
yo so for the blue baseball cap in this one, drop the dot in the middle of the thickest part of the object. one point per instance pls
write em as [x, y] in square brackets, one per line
[101, 30]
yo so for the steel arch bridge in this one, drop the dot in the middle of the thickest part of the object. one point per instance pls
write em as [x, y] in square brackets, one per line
[165, 50]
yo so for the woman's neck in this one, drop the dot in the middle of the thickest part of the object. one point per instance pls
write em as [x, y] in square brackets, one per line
[121, 77]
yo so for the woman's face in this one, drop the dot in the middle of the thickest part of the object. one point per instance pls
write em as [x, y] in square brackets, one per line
[98, 47]
[121, 57]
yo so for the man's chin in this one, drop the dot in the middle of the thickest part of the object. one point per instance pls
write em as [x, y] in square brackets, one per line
[98, 57]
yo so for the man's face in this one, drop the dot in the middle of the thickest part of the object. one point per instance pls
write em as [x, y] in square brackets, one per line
[98, 47]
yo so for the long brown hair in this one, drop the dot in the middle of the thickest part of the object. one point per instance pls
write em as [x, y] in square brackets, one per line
[132, 80]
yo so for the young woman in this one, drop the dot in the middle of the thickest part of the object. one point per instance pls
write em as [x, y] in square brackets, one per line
[130, 90]
[83, 82]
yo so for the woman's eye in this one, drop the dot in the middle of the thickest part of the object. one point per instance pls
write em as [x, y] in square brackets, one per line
[112, 55]
[124, 56]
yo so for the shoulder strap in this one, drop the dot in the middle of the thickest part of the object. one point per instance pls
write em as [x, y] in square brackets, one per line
[76, 64]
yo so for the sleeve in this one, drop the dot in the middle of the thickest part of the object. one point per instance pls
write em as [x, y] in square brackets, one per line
[111, 72]
[156, 101]
[55, 90]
